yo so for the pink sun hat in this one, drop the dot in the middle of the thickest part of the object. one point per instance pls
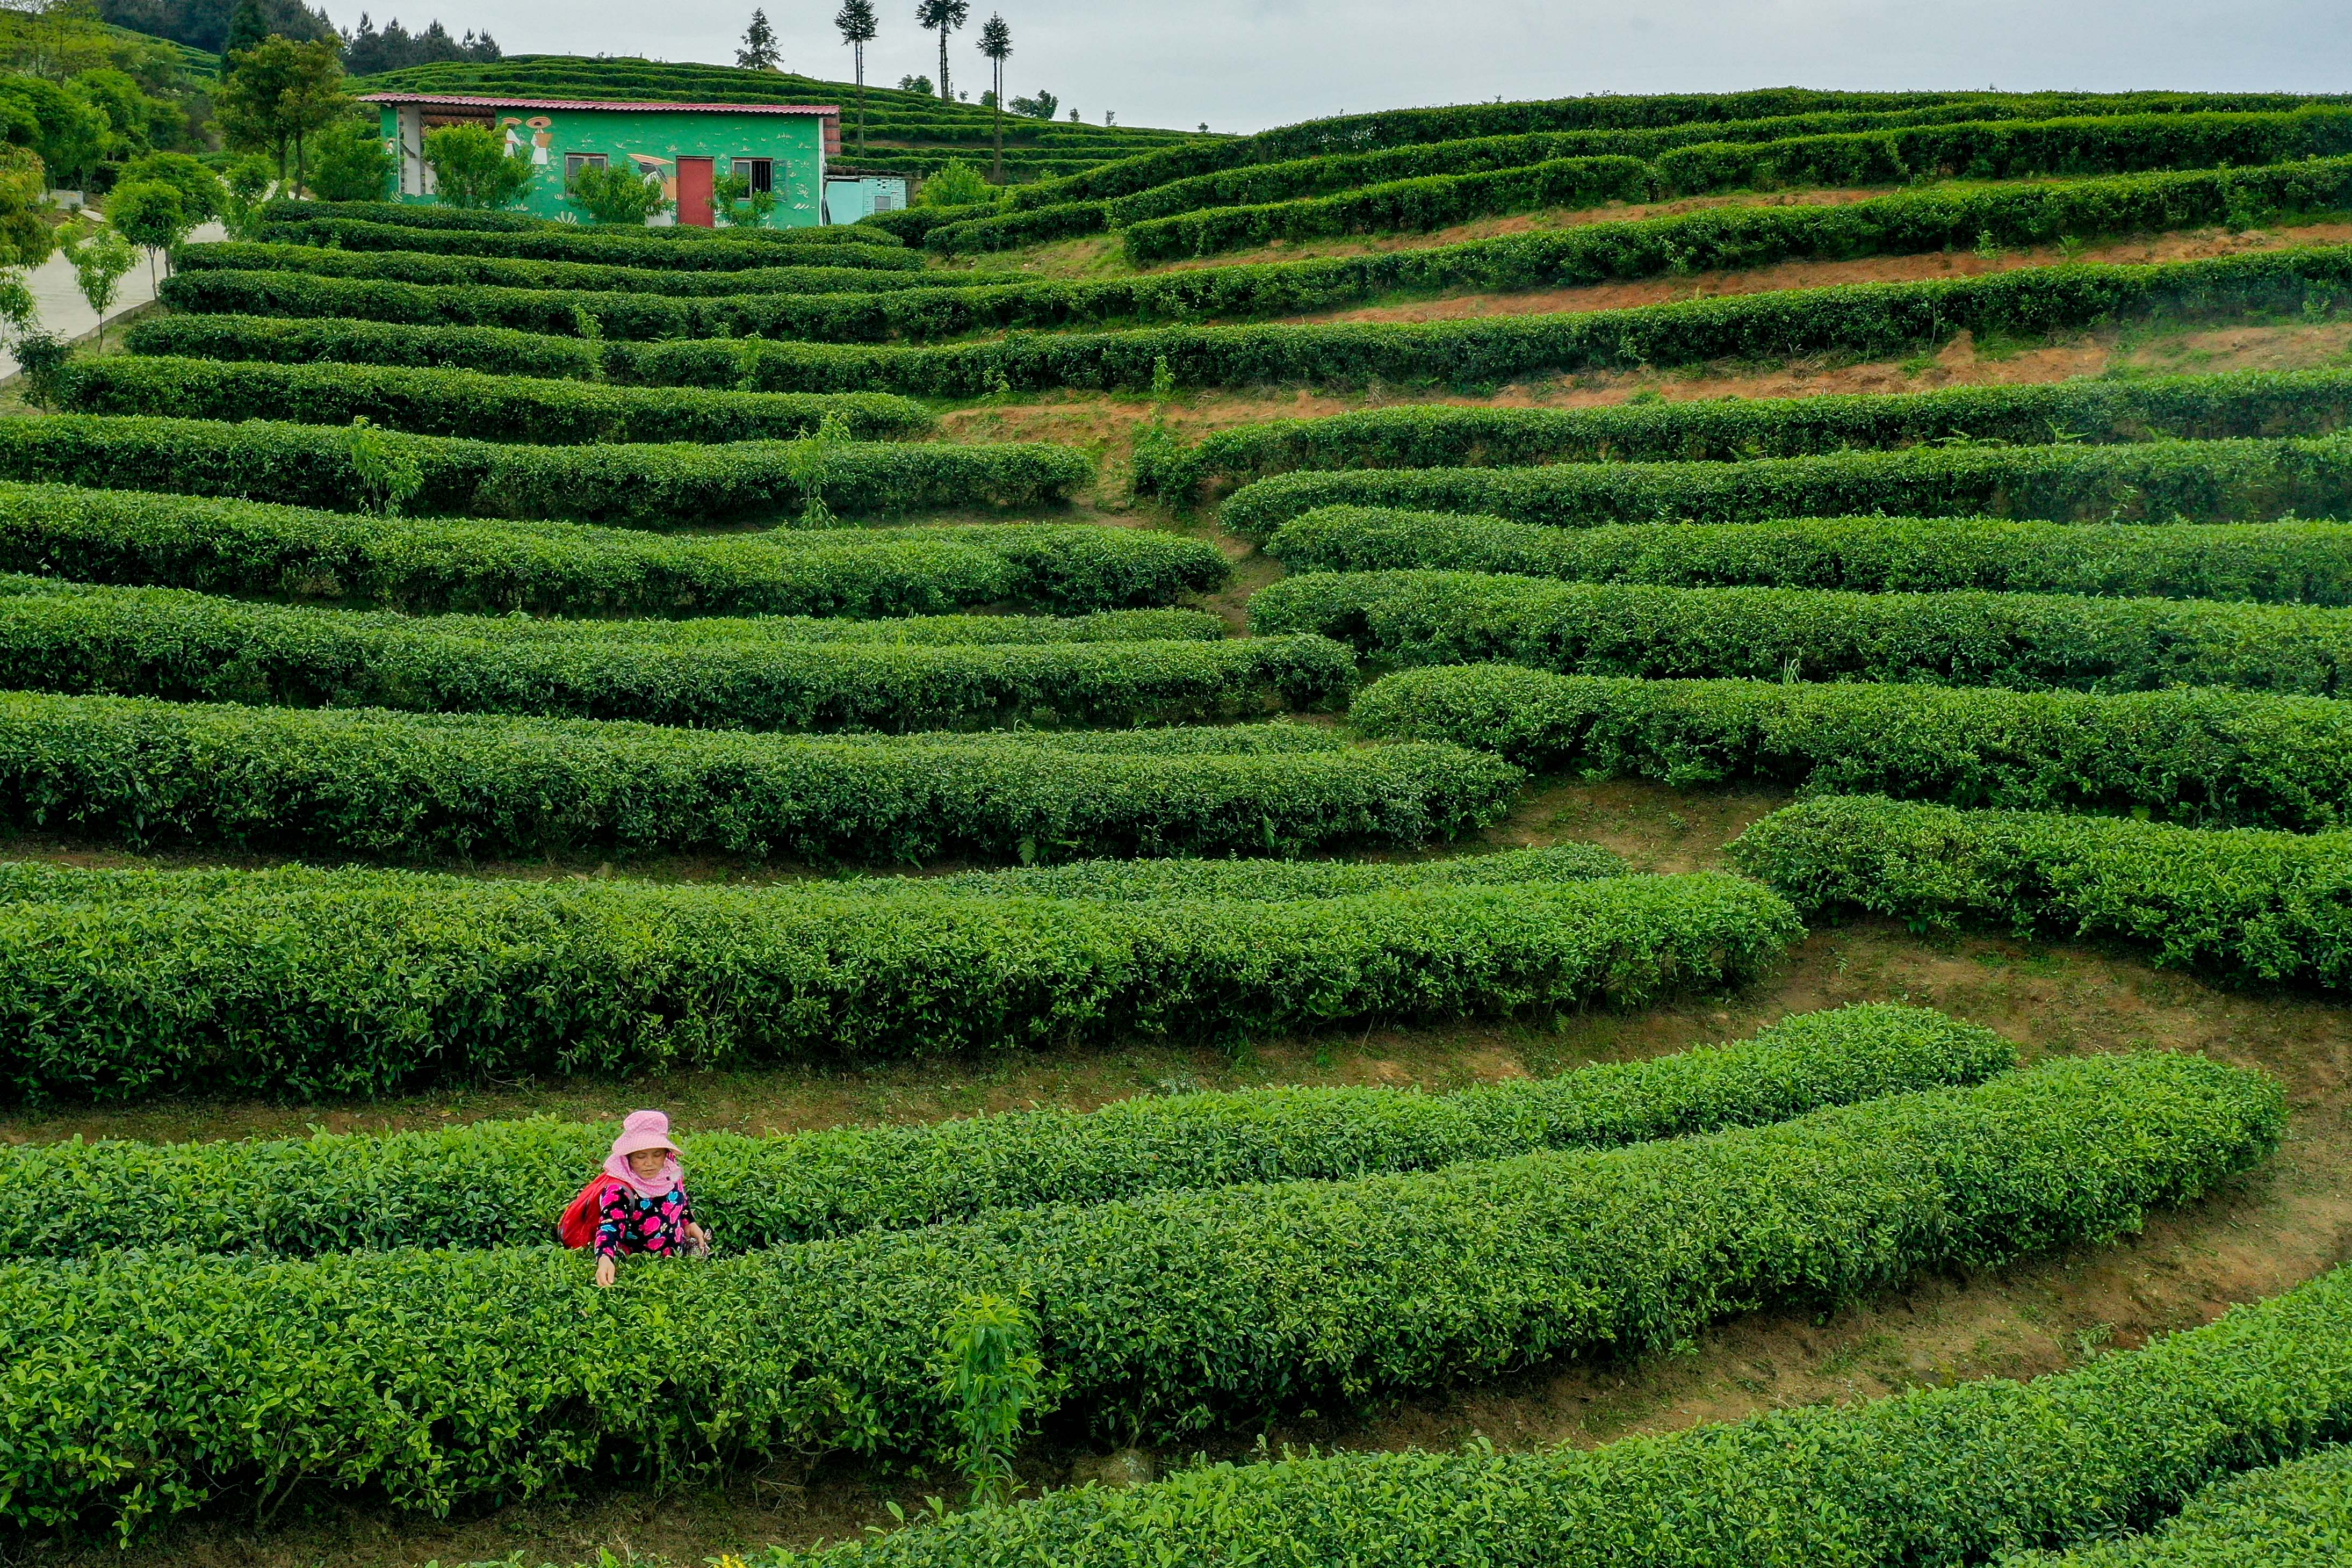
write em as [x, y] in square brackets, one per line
[644, 1129]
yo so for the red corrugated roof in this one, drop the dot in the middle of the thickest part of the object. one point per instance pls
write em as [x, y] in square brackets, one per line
[596, 103]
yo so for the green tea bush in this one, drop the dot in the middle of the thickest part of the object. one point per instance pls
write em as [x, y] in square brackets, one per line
[562, 569]
[2291, 563]
[996, 229]
[305, 983]
[2031, 641]
[2080, 1454]
[680, 485]
[2157, 481]
[1159, 1315]
[2296, 1515]
[2252, 907]
[2297, 403]
[497, 1183]
[2222, 758]
[509, 272]
[1479, 352]
[733, 251]
[466, 403]
[371, 783]
[1398, 207]
[971, 672]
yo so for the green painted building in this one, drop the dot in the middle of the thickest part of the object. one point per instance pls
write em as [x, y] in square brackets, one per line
[686, 147]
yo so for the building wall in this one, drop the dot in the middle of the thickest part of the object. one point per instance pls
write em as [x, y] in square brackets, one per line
[657, 138]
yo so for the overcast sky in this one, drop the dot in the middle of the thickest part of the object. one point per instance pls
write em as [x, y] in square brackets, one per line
[1245, 64]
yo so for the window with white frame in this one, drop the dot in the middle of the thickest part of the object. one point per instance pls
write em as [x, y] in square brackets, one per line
[575, 161]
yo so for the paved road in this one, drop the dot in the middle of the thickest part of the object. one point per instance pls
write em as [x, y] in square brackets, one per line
[65, 312]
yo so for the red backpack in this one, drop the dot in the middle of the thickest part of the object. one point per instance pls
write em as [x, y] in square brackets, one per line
[577, 1229]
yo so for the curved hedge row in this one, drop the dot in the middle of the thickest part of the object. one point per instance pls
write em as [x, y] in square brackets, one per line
[2204, 408]
[2195, 481]
[2080, 1454]
[650, 486]
[736, 250]
[495, 1183]
[1000, 229]
[2259, 907]
[2296, 1515]
[392, 785]
[2291, 563]
[552, 568]
[466, 403]
[311, 983]
[733, 675]
[2223, 759]
[1859, 319]
[2030, 641]
[435, 1378]
[511, 272]
[1142, 882]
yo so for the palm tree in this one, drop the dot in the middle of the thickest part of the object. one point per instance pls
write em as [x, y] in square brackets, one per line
[946, 16]
[858, 24]
[996, 42]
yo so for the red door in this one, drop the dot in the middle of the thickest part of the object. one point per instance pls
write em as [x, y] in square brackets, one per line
[694, 192]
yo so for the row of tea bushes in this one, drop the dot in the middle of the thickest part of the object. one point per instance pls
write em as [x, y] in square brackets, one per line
[366, 782]
[2296, 1515]
[851, 246]
[654, 486]
[2278, 563]
[2030, 642]
[2264, 908]
[438, 1379]
[495, 1183]
[514, 272]
[2085, 1453]
[2218, 757]
[423, 566]
[306, 983]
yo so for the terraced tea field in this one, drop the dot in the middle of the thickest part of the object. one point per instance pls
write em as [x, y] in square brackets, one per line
[1605, 832]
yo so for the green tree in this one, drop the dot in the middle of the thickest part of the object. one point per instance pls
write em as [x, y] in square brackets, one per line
[989, 1376]
[133, 118]
[247, 26]
[996, 43]
[616, 195]
[245, 196]
[759, 51]
[858, 24]
[352, 164]
[275, 94]
[471, 169]
[200, 189]
[151, 215]
[26, 237]
[66, 129]
[945, 17]
[100, 261]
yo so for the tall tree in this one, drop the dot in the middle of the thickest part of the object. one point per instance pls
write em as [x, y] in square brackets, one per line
[858, 24]
[945, 17]
[759, 52]
[996, 43]
[247, 26]
[274, 95]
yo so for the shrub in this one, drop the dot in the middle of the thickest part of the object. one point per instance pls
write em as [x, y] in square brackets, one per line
[426, 565]
[466, 403]
[2080, 1454]
[1161, 1315]
[496, 350]
[2030, 642]
[2293, 563]
[727, 250]
[1409, 206]
[1481, 353]
[505, 272]
[652, 485]
[2224, 758]
[2304, 403]
[948, 673]
[492, 1183]
[998, 229]
[2281, 1517]
[304, 983]
[2259, 907]
[2196, 481]
[371, 783]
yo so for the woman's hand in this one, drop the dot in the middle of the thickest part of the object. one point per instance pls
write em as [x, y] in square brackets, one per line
[698, 1235]
[605, 1269]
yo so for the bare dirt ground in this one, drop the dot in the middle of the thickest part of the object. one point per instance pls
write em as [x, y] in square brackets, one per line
[2266, 1232]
